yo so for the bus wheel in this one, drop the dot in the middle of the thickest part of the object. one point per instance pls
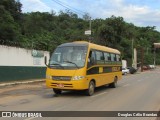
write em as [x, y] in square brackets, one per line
[57, 91]
[91, 87]
[114, 84]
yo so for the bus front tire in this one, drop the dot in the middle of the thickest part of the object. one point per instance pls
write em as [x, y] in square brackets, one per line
[57, 91]
[91, 88]
[114, 84]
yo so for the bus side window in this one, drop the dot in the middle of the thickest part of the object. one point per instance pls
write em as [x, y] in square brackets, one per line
[99, 57]
[118, 58]
[91, 58]
[107, 57]
[113, 57]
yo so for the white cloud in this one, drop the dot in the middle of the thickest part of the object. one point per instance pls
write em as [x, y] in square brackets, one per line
[34, 6]
[139, 15]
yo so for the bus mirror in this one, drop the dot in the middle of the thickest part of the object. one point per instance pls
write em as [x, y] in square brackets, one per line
[45, 60]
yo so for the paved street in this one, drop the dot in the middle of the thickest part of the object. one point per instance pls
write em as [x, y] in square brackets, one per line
[139, 92]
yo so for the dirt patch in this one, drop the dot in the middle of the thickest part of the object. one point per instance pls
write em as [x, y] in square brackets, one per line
[22, 89]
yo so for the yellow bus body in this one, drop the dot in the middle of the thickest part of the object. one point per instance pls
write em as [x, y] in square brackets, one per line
[100, 78]
[73, 84]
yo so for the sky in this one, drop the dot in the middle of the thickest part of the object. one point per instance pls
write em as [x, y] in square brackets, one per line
[139, 12]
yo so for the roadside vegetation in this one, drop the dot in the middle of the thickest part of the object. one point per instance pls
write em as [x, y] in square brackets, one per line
[44, 31]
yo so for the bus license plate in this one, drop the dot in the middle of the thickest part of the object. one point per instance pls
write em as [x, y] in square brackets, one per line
[60, 85]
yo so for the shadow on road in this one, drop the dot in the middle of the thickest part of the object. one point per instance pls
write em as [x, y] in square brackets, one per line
[80, 93]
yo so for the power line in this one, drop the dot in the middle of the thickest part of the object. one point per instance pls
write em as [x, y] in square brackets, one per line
[74, 8]
[69, 7]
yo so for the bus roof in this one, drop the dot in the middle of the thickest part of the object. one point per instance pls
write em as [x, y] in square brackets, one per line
[91, 46]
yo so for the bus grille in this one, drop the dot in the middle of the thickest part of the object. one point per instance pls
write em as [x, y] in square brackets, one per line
[63, 84]
[61, 78]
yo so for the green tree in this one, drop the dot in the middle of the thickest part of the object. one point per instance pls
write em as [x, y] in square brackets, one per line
[10, 12]
[9, 29]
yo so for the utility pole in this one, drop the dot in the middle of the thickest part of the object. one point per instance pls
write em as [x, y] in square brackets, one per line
[154, 56]
[156, 45]
[90, 24]
[135, 58]
[89, 32]
[132, 51]
[90, 27]
[142, 58]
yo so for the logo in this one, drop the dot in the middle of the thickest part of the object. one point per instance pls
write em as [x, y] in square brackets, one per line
[36, 53]
[6, 114]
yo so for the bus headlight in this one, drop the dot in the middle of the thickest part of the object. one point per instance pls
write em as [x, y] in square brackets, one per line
[78, 77]
[48, 77]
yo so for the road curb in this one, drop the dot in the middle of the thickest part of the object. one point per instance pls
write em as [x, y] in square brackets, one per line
[18, 82]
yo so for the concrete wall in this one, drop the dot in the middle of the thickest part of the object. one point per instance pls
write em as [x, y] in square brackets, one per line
[20, 64]
[124, 63]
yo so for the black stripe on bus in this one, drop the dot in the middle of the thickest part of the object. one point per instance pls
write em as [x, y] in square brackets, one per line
[106, 69]
[94, 70]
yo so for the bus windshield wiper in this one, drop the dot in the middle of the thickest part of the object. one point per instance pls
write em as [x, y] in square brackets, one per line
[57, 64]
[72, 63]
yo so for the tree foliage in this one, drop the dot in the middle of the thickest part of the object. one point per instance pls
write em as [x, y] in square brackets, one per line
[43, 30]
[9, 17]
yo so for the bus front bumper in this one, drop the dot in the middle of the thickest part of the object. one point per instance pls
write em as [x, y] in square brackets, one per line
[68, 85]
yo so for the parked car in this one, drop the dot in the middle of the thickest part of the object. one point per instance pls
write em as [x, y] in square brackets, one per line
[132, 70]
[152, 66]
[125, 71]
[146, 67]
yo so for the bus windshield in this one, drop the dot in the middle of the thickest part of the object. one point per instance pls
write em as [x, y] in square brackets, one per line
[68, 57]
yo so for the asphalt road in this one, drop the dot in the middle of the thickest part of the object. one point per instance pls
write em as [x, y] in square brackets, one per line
[138, 92]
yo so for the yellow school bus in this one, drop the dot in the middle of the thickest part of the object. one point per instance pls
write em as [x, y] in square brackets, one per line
[82, 65]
